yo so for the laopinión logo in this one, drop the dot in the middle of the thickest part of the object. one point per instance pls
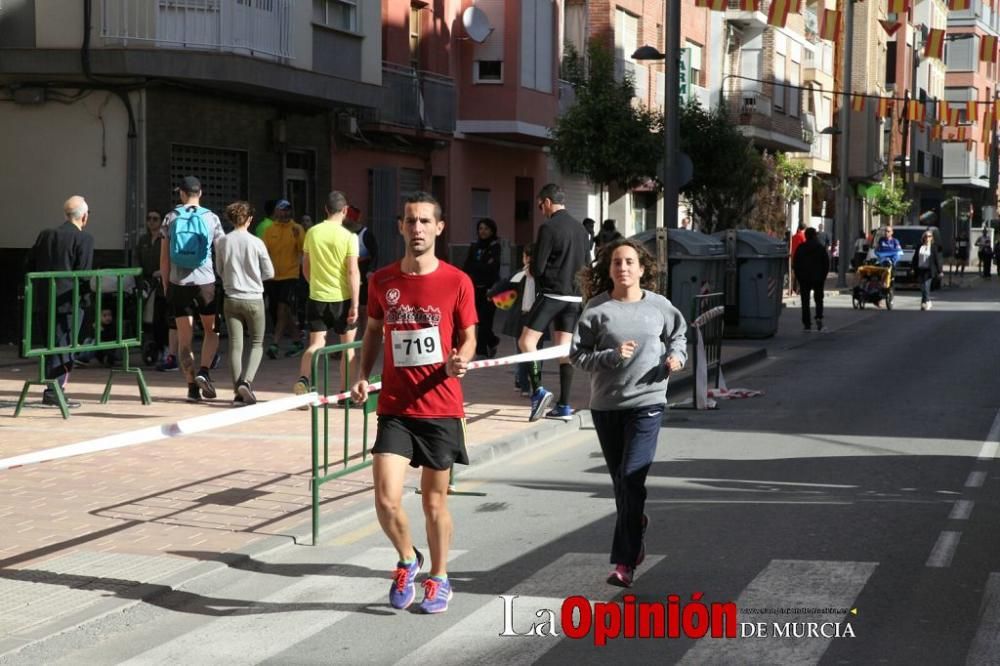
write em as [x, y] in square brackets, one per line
[579, 618]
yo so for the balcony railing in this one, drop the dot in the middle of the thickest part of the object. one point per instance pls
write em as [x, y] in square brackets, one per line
[419, 100]
[765, 5]
[746, 105]
[260, 28]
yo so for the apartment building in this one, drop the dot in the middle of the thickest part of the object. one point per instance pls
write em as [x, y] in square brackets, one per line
[116, 100]
[967, 166]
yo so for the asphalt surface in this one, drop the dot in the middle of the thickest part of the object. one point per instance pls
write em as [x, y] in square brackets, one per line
[861, 489]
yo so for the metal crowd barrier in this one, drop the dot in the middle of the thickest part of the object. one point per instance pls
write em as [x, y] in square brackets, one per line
[55, 299]
[708, 320]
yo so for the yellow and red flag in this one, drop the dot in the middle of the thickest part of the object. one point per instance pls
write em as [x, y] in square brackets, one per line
[936, 133]
[958, 5]
[777, 15]
[988, 48]
[750, 5]
[972, 110]
[831, 25]
[942, 112]
[916, 111]
[857, 102]
[987, 127]
[883, 109]
[996, 109]
[934, 48]
[899, 6]
[714, 5]
[962, 133]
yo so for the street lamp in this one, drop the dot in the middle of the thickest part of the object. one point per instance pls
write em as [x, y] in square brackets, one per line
[671, 107]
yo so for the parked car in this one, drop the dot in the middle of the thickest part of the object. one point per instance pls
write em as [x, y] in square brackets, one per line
[909, 238]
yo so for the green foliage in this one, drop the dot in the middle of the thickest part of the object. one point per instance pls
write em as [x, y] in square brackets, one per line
[890, 200]
[771, 200]
[728, 172]
[604, 136]
[791, 173]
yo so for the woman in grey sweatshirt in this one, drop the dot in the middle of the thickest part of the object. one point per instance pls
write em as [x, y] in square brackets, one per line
[629, 338]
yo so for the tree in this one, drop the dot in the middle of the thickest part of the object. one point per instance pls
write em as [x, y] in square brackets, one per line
[729, 173]
[604, 136]
[771, 200]
[890, 199]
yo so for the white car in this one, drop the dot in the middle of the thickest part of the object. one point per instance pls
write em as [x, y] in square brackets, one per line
[909, 239]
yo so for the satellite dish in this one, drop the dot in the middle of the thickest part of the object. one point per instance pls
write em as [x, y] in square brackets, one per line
[477, 24]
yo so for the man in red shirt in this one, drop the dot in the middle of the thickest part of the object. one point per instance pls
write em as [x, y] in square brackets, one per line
[428, 311]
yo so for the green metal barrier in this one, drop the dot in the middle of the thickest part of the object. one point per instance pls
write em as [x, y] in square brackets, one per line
[320, 379]
[49, 346]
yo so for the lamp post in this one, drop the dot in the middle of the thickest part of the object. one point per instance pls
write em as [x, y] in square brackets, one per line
[844, 207]
[671, 109]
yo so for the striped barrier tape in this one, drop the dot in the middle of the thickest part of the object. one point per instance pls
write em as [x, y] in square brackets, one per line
[205, 422]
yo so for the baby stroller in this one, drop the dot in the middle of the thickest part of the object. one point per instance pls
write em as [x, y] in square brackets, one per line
[875, 282]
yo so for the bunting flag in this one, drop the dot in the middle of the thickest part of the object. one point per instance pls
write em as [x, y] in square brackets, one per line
[942, 112]
[778, 13]
[936, 133]
[987, 127]
[958, 5]
[883, 107]
[831, 26]
[714, 5]
[750, 5]
[890, 27]
[996, 109]
[858, 102]
[988, 48]
[934, 48]
[915, 110]
[961, 133]
[972, 110]
[969, 145]
[899, 6]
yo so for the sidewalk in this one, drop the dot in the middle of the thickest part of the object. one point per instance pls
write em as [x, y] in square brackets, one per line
[153, 516]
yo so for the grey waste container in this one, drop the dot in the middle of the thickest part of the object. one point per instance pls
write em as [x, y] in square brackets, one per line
[696, 264]
[755, 280]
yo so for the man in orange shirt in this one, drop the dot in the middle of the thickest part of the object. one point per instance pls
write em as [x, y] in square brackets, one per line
[797, 239]
[284, 241]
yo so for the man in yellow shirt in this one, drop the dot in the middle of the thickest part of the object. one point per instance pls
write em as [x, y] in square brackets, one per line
[284, 241]
[331, 266]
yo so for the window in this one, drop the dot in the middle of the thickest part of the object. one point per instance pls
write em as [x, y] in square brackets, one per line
[488, 71]
[960, 55]
[536, 44]
[779, 77]
[488, 56]
[794, 94]
[626, 42]
[890, 63]
[339, 14]
[696, 63]
[480, 206]
[415, 36]
[223, 173]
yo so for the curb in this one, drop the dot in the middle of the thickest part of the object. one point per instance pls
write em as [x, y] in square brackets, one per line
[300, 534]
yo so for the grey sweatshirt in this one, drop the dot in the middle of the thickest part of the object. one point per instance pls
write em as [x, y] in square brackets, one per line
[641, 381]
[244, 264]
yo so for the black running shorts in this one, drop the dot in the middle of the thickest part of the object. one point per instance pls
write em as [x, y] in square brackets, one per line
[561, 314]
[433, 443]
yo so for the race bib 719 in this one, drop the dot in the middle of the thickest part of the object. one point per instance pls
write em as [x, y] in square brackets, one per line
[416, 347]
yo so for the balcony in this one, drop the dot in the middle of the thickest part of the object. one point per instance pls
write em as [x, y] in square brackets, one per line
[818, 64]
[756, 117]
[757, 19]
[961, 166]
[257, 28]
[418, 100]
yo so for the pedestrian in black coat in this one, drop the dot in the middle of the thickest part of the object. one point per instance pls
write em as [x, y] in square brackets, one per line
[482, 264]
[811, 263]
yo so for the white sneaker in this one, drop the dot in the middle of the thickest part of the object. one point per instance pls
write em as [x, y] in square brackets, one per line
[923, 306]
[928, 305]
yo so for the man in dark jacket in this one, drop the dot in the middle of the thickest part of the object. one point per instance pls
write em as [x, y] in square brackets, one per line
[64, 248]
[561, 250]
[811, 263]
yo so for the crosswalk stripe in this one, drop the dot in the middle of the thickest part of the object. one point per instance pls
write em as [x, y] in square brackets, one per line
[253, 636]
[799, 584]
[944, 549]
[961, 510]
[986, 644]
[478, 634]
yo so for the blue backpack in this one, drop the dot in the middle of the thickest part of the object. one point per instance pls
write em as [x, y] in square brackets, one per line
[189, 237]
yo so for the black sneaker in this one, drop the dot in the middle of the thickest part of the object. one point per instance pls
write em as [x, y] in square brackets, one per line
[194, 393]
[238, 400]
[245, 391]
[204, 382]
[49, 399]
[819, 324]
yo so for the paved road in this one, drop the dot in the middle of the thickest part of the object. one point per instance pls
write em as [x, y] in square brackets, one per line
[864, 479]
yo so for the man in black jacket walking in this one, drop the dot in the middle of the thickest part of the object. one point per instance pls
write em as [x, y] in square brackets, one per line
[64, 248]
[811, 263]
[561, 250]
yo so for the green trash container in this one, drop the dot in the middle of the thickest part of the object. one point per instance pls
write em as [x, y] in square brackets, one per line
[696, 264]
[756, 269]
